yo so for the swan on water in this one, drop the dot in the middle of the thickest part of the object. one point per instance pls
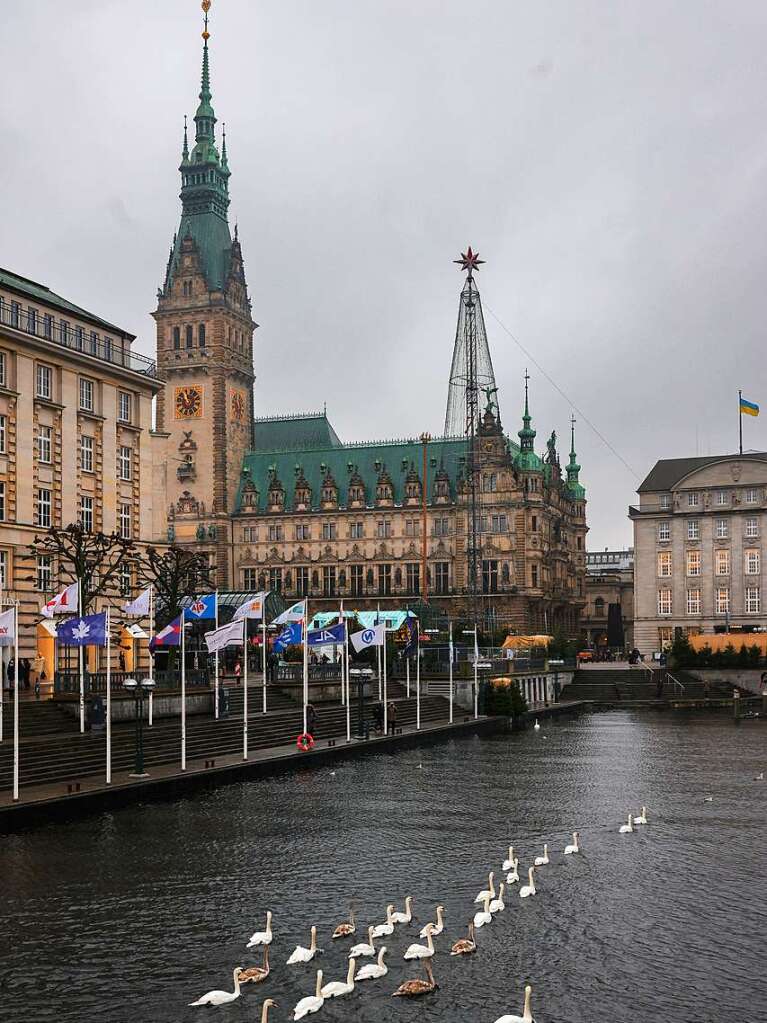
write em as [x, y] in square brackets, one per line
[527, 1012]
[222, 997]
[407, 916]
[300, 954]
[312, 1003]
[627, 829]
[256, 974]
[482, 916]
[529, 889]
[508, 863]
[490, 890]
[422, 951]
[336, 988]
[348, 927]
[513, 876]
[364, 948]
[414, 988]
[541, 861]
[642, 818]
[268, 1004]
[436, 928]
[372, 971]
[575, 847]
[383, 930]
[497, 905]
[536, 726]
[262, 937]
[465, 946]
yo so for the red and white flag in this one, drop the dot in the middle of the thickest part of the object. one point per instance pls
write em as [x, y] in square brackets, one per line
[64, 603]
[8, 627]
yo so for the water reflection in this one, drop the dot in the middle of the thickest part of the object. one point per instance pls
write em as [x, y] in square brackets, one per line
[131, 915]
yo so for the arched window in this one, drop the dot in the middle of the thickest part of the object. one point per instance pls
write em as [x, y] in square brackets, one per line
[177, 337]
[201, 335]
[189, 335]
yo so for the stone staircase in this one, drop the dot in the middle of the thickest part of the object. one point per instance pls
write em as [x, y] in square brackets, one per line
[639, 686]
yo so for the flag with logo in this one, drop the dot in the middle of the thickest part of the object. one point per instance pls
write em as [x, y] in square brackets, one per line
[230, 634]
[327, 637]
[169, 636]
[368, 637]
[295, 613]
[8, 627]
[90, 630]
[136, 632]
[291, 635]
[64, 603]
[253, 608]
[407, 635]
[202, 608]
[140, 606]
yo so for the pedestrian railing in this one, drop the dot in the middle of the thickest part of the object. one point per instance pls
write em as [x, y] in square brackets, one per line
[68, 682]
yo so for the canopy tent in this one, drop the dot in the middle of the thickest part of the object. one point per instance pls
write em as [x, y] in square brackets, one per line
[367, 619]
[721, 640]
[525, 642]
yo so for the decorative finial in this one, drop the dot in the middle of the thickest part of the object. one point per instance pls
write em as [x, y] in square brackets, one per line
[206, 7]
[186, 142]
[469, 261]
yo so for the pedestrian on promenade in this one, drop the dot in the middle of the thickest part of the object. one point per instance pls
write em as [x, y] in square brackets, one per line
[311, 718]
[378, 717]
[659, 686]
[11, 675]
[392, 717]
[26, 670]
[237, 671]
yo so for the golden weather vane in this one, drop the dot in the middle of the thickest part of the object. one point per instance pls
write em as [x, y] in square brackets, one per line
[206, 7]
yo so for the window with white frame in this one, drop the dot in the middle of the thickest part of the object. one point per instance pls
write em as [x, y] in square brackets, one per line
[664, 531]
[125, 408]
[383, 529]
[275, 533]
[328, 530]
[752, 496]
[753, 600]
[722, 562]
[693, 529]
[411, 527]
[664, 602]
[86, 513]
[442, 526]
[752, 528]
[43, 516]
[125, 521]
[2, 502]
[250, 579]
[665, 636]
[44, 437]
[721, 529]
[665, 501]
[86, 453]
[3, 435]
[356, 530]
[751, 561]
[693, 602]
[693, 562]
[664, 564]
[125, 462]
[303, 532]
[44, 573]
[722, 600]
[87, 392]
[490, 482]
[44, 382]
[693, 499]
[721, 497]
[125, 577]
[3, 370]
[3, 569]
[250, 534]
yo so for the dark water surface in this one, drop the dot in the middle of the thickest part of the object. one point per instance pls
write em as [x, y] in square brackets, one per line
[129, 916]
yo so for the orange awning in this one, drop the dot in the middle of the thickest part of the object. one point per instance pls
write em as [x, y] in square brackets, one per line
[523, 642]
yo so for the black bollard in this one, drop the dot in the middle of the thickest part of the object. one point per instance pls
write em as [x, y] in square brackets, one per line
[736, 704]
[764, 703]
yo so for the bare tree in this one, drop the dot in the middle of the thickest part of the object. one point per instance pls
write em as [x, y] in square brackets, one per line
[175, 572]
[92, 559]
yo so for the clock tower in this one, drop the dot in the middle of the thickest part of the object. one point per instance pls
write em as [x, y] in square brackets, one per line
[204, 345]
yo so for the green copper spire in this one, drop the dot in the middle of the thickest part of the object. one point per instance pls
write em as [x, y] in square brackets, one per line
[527, 458]
[573, 485]
[185, 150]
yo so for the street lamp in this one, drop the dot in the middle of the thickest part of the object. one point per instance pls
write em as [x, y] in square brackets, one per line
[139, 690]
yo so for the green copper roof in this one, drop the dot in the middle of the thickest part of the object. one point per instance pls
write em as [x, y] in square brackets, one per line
[300, 432]
[528, 461]
[577, 491]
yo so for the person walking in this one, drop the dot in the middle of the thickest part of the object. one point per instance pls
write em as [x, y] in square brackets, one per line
[391, 715]
[11, 675]
[26, 672]
[311, 719]
[237, 671]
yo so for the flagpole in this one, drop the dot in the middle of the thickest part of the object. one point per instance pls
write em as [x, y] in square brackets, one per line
[183, 692]
[150, 653]
[343, 700]
[263, 652]
[451, 671]
[3, 680]
[740, 423]
[306, 657]
[16, 703]
[109, 698]
[378, 653]
[348, 697]
[476, 679]
[385, 705]
[418, 677]
[245, 691]
[215, 683]
[80, 657]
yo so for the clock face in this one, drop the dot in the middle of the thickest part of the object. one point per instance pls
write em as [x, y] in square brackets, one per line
[188, 402]
[238, 406]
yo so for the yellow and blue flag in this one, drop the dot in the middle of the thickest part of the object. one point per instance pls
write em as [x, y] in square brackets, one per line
[749, 407]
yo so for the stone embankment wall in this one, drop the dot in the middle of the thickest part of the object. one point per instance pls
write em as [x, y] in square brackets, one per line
[746, 678]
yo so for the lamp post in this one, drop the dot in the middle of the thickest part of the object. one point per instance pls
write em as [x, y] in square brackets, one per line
[139, 690]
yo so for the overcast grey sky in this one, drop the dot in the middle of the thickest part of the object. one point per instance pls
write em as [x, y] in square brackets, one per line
[608, 160]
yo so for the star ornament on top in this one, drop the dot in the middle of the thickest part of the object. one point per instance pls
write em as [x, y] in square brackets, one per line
[469, 260]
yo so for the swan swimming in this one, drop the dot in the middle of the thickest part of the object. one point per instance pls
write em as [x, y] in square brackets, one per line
[536, 726]
[436, 928]
[312, 1003]
[508, 863]
[465, 946]
[222, 997]
[364, 948]
[513, 876]
[541, 861]
[300, 954]
[262, 937]
[627, 829]
[642, 818]
[575, 847]
[414, 988]
[490, 890]
[422, 951]
[256, 974]
[372, 971]
[497, 905]
[383, 930]
[527, 1012]
[336, 988]
[483, 916]
[265, 1009]
[407, 916]
[529, 889]
[348, 927]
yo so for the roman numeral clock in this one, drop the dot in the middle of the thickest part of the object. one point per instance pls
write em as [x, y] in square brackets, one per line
[187, 402]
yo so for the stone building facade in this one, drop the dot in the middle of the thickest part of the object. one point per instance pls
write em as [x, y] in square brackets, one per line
[609, 584]
[698, 548]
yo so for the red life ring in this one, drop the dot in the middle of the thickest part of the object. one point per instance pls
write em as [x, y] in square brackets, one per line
[305, 742]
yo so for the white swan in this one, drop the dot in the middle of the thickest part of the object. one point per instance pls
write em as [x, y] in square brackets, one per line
[336, 988]
[513, 875]
[262, 937]
[265, 1009]
[575, 847]
[407, 916]
[422, 951]
[642, 818]
[364, 948]
[482, 916]
[348, 927]
[541, 861]
[222, 997]
[528, 889]
[490, 890]
[536, 726]
[372, 971]
[383, 930]
[508, 863]
[312, 1003]
[497, 905]
[300, 954]
[527, 1012]
[436, 928]
[627, 829]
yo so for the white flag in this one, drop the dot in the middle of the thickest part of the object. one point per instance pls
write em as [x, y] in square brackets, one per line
[227, 635]
[253, 608]
[368, 637]
[64, 603]
[8, 627]
[136, 632]
[140, 606]
[293, 614]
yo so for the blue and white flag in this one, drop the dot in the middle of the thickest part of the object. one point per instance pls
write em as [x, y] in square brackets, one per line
[91, 630]
[327, 637]
[369, 637]
[203, 607]
[140, 606]
[290, 636]
[293, 614]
